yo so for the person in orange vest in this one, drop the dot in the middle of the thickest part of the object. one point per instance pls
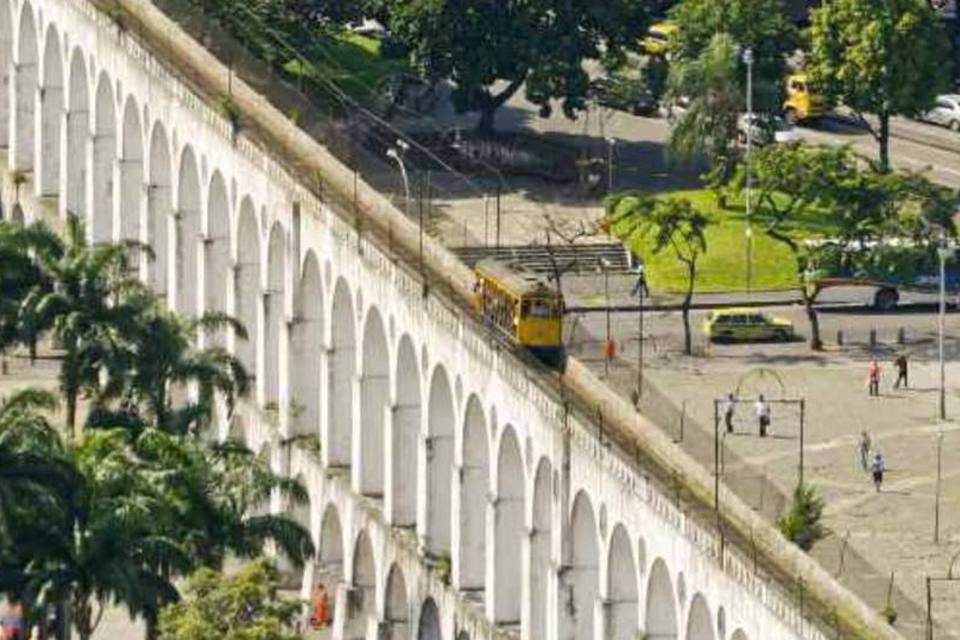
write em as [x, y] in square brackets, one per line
[321, 608]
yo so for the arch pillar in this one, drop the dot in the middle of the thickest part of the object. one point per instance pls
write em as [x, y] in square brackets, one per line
[24, 94]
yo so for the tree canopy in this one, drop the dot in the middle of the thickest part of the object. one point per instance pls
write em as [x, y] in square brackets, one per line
[245, 606]
[879, 59]
[490, 49]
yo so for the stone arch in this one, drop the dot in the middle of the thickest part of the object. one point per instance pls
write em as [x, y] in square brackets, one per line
[187, 234]
[131, 172]
[374, 393]
[342, 371]
[582, 580]
[440, 431]
[6, 63]
[509, 530]
[624, 610]
[739, 635]
[51, 116]
[216, 253]
[104, 158]
[661, 609]
[700, 622]
[474, 486]
[405, 436]
[247, 284]
[361, 614]
[429, 627]
[540, 548]
[307, 348]
[396, 606]
[274, 321]
[78, 136]
[159, 211]
[328, 561]
[26, 85]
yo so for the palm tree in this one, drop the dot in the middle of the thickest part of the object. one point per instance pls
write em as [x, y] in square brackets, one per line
[89, 302]
[36, 476]
[674, 224]
[162, 356]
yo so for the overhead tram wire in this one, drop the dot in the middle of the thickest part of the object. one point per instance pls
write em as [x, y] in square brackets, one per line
[355, 104]
[344, 98]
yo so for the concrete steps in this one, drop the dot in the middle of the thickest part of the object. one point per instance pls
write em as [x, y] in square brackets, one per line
[570, 258]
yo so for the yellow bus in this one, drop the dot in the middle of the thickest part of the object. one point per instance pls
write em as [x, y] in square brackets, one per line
[523, 305]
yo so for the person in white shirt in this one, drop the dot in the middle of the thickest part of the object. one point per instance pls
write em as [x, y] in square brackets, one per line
[879, 466]
[762, 410]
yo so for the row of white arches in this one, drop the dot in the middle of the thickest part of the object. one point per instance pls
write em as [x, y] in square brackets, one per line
[407, 431]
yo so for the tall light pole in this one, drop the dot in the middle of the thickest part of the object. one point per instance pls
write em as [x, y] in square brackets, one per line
[748, 231]
[604, 265]
[396, 154]
[936, 508]
[611, 143]
[944, 251]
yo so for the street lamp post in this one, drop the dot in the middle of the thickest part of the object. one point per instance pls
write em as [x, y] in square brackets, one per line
[944, 252]
[748, 60]
[611, 143]
[396, 154]
[605, 267]
[640, 342]
[936, 508]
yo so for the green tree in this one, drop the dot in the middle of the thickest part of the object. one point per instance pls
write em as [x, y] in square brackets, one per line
[671, 224]
[88, 301]
[709, 126]
[794, 188]
[36, 476]
[541, 43]
[879, 58]
[160, 355]
[801, 524]
[241, 607]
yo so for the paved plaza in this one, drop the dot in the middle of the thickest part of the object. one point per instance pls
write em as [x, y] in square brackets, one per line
[871, 535]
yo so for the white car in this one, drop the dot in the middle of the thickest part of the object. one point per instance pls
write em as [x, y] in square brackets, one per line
[765, 129]
[945, 112]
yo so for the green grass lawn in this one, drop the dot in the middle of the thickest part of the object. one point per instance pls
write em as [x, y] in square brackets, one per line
[353, 62]
[723, 267]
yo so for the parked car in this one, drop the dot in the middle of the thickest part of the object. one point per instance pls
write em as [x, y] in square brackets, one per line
[624, 93]
[747, 325]
[657, 42]
[370, 28]
[945, 112]
[803, 102]
[765, 129]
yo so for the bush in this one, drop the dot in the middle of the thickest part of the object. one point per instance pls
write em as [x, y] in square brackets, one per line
[801, 525]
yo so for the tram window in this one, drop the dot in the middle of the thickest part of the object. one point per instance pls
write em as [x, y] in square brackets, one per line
[539, 308]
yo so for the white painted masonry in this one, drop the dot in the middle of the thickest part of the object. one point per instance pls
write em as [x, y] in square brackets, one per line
[437, 445]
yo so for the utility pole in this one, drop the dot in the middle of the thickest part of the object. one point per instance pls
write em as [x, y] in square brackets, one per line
[936, 507]
[640, 340]
[944, 252]
[748, 60]
[611, 142]
[607, 348]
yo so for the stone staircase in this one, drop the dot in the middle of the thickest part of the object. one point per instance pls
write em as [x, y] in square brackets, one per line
[569, 258]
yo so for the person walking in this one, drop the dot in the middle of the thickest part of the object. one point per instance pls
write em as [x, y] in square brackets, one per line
[864, 450]
[901, 364]
[641, 284]
[12, 626]
[762, 410]
[873, 378]
[878, 468]
[729, 404]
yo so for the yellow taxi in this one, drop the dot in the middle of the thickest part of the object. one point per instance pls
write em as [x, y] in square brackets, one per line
[746, 325]
[657, 42]
[803, 103]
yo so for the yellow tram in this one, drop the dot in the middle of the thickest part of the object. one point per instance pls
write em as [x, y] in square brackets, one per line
[523, 305]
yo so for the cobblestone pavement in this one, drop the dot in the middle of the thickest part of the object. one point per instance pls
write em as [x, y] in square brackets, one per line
[872, 536]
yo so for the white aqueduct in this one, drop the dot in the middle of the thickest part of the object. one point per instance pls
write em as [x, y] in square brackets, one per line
[435, 444]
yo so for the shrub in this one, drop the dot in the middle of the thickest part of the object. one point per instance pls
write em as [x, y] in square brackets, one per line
[801, 524]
